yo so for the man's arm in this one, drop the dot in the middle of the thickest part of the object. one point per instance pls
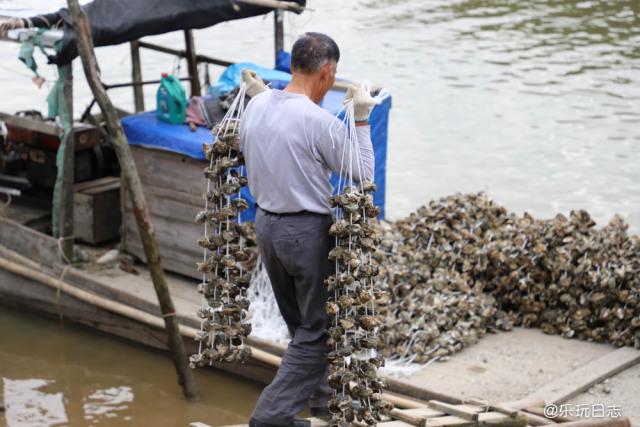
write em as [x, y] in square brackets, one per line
[333, 149]
[361, 163]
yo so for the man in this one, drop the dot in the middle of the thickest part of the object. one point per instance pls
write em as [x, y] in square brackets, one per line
[290, 149]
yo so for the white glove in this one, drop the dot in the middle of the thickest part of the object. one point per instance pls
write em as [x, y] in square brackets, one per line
[363, 102]
[254, 83]
[7, 24]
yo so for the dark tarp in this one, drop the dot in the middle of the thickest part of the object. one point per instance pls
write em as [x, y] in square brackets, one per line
[120, 21]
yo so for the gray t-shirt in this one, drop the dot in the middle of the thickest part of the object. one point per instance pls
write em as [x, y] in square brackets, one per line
[287, 143]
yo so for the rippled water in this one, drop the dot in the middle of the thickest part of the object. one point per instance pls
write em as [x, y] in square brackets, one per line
[536, 102]
[65, 376]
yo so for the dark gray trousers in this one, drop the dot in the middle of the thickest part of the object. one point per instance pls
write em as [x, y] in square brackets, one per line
[294, 250]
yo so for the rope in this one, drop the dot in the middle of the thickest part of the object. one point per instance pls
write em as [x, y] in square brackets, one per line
[61, 251]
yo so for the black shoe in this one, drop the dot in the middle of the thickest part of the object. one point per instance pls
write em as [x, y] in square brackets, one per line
[297, 422]
[321, 412]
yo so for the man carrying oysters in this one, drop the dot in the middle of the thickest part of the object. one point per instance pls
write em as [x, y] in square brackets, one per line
[291, 146]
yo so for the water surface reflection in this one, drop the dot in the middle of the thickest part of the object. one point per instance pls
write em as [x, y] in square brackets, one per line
[64, 376]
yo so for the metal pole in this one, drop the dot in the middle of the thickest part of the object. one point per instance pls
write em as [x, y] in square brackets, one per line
[192, 63]
[278, 21]
[136, 71]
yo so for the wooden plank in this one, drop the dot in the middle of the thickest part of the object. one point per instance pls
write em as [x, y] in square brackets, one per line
[107, 216]
[136, 76]
[497, 419]
[85, 185]
[174, 210]
[450, 420]
[170, 170]
[581, 379]
[414, 420]
[497, 408]
[421, 393]
[424, 412]
[457, 410]
[485, 419]
[83, 217]
[65, 182]
[97, 215]
[28, 242]
[192, 62]
[31, 124]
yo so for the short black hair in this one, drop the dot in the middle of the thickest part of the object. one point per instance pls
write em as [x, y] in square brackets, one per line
[312, 50]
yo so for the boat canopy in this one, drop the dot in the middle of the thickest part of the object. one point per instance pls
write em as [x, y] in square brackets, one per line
[120, 21]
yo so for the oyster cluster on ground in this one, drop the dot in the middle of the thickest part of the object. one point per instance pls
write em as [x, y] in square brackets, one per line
[463, 265]
[353, 340]
[230, 253]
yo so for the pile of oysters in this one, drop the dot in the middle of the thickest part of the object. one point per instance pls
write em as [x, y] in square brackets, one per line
[230, 253]
[352, 306]
[463, 265]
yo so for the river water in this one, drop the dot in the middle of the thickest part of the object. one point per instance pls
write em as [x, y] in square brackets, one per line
[61, 375]
[535, 102]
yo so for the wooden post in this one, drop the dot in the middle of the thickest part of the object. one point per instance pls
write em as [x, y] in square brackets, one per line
[192, 63]
[134, 187]
[136, 74]
[278, 21]
[65, 211]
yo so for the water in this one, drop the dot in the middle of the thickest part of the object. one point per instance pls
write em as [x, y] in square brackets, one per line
[537, 102]
[67, 376]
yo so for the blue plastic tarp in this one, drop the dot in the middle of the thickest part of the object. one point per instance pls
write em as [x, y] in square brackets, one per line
[146, 130]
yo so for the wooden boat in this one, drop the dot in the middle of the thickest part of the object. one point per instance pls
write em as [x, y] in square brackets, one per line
[34, 276]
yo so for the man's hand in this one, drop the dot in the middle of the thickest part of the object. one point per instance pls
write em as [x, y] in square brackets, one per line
[7, 24]
[254, 83]
[363, 102]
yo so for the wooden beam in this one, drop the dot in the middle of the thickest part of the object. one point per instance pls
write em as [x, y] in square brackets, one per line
[192, 62]
[420, 393]
[454, 410]
[414, 420]
[581, 379]
[183, 54]
[136, 75]
[278, 32]
[48, 128]
[65, 208]
[28, 242]
[275, 4]
[134, 186]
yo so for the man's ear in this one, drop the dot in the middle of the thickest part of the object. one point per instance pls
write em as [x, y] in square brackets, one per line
[326, 71]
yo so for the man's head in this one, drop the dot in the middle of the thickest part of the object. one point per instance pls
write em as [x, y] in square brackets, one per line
[314, 58]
